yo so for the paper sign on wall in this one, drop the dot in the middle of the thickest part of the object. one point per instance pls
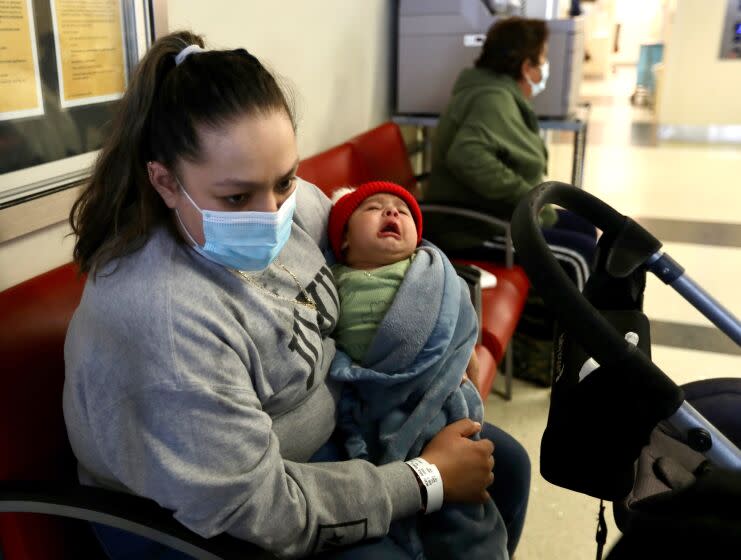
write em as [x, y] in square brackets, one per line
[91, 63]
[20, 85]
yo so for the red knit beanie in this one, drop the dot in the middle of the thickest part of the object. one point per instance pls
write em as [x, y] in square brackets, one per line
[347, 204]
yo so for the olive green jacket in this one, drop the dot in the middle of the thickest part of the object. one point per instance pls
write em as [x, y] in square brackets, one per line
[487, 154]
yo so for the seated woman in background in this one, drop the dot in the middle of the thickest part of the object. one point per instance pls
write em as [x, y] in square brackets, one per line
[488, 152]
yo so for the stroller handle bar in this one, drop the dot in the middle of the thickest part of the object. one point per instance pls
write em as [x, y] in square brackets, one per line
[631, 247]
[672, 274]
[702, 436]
[574, 312]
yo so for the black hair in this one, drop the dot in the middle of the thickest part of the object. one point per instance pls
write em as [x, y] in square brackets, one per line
[510, 42]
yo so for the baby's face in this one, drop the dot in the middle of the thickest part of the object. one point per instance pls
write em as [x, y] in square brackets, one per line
[381, 231]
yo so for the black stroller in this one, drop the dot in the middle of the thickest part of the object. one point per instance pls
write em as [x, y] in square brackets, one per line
[618, 428]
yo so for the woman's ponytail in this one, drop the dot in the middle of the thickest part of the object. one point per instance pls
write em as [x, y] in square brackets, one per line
[158, 119]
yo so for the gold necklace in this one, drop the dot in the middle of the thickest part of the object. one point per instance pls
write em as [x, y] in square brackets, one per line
[307, 300]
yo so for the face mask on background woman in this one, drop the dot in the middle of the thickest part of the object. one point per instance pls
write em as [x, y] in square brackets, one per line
[538, 87]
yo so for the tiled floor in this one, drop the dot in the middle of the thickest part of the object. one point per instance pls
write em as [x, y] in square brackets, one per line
[688, 196]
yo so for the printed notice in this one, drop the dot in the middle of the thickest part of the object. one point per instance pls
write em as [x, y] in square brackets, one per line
[91, 65]
[20, 85]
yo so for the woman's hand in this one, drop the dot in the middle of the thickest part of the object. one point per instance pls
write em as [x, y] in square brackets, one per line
[465, 465]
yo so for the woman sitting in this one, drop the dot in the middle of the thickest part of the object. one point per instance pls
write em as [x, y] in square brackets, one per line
[488, 152]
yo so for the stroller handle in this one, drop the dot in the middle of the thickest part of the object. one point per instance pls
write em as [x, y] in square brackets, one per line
[632, 246]
[560, 294]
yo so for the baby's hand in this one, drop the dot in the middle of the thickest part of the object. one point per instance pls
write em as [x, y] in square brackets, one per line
[472, 371]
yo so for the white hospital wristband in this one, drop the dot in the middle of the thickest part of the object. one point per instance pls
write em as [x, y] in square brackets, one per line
[429, 476]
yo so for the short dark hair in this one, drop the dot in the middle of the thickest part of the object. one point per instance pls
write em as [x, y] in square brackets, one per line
[510, 42]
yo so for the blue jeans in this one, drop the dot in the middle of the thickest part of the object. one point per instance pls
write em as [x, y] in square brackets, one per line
[572, 241]
[510, 493]
[122, 545]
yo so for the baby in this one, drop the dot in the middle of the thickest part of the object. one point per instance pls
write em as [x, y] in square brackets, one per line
[374, 232]
[406, 335]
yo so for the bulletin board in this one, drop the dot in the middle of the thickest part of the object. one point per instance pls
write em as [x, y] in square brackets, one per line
[64, 65]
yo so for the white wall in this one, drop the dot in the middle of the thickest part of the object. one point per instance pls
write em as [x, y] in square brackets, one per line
[545, 9]
[336, 54]
[697, 87]
[641, 21]
[24, 257]
[599, 37]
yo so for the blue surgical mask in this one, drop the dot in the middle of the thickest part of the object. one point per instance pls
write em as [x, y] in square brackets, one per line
[537, 88]
[247, 241]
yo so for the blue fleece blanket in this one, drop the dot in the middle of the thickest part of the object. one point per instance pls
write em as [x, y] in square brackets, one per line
[408, 388]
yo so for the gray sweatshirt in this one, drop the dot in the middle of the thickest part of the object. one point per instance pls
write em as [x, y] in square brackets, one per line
[188, 385]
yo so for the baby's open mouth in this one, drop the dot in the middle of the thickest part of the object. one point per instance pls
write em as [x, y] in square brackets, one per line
[390, 228]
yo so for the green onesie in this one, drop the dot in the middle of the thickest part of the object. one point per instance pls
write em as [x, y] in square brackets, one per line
[365, 296]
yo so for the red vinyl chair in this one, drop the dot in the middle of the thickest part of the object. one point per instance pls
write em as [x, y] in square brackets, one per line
[337, 167]
[384, 153]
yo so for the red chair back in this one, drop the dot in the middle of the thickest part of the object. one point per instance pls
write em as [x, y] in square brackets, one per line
[337, 167]
[376, 155]
[34, 316]
[385, 155]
